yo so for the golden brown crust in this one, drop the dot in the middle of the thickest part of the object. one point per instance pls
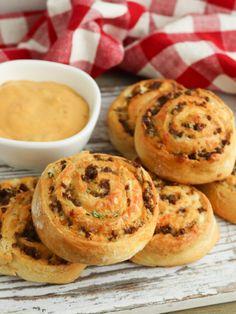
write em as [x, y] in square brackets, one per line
[186, 229]
[222, 195]
[187, 138]
[95, 209]
[8, 191]
[124, 110]
[28, 257]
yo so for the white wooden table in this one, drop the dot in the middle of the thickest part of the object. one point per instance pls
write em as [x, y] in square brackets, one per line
[126, 287]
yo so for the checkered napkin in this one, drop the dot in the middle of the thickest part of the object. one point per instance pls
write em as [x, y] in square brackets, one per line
[191, 41]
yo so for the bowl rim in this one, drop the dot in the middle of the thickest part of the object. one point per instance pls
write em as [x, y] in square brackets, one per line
[68, 140]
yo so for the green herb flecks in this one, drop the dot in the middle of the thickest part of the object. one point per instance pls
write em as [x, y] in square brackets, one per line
[97, 215]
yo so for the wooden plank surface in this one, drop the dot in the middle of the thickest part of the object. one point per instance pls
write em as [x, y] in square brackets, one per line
[127, 287]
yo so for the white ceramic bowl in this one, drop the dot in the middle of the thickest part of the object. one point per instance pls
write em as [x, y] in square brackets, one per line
[36, 155]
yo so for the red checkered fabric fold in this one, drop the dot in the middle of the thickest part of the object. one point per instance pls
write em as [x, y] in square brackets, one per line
[193, 42]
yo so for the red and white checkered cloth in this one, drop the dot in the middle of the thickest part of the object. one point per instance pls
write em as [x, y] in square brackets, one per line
[191, 41]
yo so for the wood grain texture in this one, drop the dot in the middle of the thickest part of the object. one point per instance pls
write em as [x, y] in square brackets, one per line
[127, 287]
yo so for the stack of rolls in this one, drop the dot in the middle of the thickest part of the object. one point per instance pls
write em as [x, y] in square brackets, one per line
[184, 138]
[87, 209]
[99, 209]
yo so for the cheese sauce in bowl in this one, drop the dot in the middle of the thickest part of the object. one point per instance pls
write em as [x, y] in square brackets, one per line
[40, 111]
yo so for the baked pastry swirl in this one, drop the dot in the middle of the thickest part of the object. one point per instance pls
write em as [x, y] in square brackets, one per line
[28, 256]
[123, 112]
[188, 137]
[8, 191]
[95, 209]
[186, 229]
[222, 195]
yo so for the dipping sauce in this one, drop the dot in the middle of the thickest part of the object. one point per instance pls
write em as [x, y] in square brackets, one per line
[40, 111]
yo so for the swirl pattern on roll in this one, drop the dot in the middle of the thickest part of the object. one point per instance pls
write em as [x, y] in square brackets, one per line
[187, 131]
[222, 195]
[9, 189]
[124, 110]
[29, 258]
[102, 208]
[186, 228]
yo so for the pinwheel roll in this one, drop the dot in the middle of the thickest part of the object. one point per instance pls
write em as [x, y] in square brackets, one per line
[123, 112]
[28, 257]
[189, 137]
[222, 195]
[95, 209]
[9, 189]
[186, 229]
